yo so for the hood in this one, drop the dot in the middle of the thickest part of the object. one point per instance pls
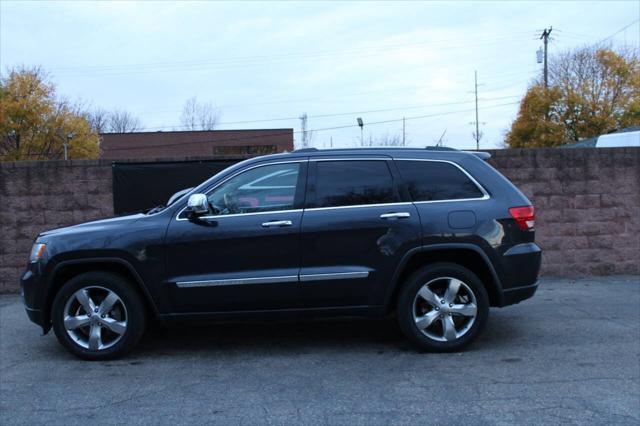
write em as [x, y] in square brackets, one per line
[96, 225]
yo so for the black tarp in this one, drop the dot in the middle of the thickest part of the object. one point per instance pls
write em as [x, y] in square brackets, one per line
[140, 186]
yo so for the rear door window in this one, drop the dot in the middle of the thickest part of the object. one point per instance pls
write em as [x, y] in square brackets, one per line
[437, 181]
[353, 182]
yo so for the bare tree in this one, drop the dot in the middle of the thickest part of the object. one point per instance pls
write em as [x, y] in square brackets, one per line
[121, 121]
[98, 120]
[384, 140]
[199, 116]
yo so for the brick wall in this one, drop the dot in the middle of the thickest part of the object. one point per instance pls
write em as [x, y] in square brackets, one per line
[587, 200]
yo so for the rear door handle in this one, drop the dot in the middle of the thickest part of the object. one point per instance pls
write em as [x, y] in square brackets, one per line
[399, 215]
[275, 223]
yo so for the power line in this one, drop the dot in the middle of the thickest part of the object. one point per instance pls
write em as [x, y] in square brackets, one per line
[340, 114]
[619, 31]
[367, 92]
[121, 69]
[395, 120]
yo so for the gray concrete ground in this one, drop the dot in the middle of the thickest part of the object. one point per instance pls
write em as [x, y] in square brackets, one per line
[570, 355]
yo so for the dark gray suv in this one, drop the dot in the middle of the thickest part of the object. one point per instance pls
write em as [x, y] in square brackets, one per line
[435, 236]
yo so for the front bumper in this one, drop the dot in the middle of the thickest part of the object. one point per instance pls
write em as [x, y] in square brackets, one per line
[32, 295]
[35, 315]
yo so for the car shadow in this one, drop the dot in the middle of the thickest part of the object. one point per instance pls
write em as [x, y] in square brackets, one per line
[302, 336]
[287, 336]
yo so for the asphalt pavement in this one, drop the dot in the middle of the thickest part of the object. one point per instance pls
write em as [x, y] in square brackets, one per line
[570, 355]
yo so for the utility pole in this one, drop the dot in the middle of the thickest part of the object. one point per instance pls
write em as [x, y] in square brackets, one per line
[303, 128]
[477, 121]
[545, 39]
[404, 139]
[477, 135]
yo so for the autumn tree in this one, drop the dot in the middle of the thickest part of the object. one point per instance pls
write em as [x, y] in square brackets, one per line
[36, 125]
[591, 91]
[199, 116]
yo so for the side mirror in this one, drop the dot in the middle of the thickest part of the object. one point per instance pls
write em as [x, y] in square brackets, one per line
[197, 205]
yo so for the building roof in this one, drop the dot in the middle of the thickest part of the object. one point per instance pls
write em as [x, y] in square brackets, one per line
[597, 141]
[200, 143]
[585, 143]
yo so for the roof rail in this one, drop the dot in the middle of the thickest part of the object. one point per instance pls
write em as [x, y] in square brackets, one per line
[440, 148]
[480, 154]
[306, 150]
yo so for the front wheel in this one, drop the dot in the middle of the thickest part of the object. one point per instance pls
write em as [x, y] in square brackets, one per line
[98, 316]
[443, 307]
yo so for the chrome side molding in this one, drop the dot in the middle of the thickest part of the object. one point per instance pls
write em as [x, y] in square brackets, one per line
[238, 281]
[275, 280]
[334, 276]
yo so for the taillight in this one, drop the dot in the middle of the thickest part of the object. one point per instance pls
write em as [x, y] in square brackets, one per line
[524, 216]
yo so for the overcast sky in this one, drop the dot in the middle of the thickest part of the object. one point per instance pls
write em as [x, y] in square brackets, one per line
[334, 61]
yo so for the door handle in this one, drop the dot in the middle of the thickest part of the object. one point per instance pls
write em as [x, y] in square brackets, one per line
[399, 215]
[275, 223]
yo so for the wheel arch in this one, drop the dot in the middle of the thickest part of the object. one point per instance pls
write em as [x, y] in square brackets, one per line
[66, 270]
[470, 256]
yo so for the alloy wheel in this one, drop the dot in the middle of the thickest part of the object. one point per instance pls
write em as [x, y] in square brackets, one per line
[95, 318]
[445, 309]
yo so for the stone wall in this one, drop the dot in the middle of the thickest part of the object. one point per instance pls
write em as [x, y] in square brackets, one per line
[587, 201]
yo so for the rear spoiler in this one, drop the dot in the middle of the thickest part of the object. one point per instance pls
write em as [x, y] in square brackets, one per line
[482, 155]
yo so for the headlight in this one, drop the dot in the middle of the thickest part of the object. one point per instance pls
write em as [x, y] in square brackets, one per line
[37, 252]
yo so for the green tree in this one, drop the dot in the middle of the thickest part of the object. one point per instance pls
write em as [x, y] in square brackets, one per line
[35, 124]
[591, 91]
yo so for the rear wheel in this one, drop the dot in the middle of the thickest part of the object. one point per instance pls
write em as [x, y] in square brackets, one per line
[443, 307]
[98, 315]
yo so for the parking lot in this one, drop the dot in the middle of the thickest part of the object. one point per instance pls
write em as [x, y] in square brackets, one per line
[568, 356]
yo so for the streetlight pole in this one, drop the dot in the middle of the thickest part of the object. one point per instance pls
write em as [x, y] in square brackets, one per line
[65, 145]
[361, 124]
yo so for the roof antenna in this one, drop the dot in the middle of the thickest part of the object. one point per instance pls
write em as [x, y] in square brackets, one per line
[441, 136]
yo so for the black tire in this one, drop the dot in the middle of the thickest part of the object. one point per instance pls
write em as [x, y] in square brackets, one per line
[129, 298]
[408, 294]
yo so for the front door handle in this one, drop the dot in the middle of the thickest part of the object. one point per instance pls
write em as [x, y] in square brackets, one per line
[399, 215]
[275, 223]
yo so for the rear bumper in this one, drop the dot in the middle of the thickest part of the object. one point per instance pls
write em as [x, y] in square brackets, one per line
[518, 294]
[520, 269]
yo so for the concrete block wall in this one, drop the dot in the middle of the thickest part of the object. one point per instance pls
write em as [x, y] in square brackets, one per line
[36, 196]
[587, 206]
[587, 201]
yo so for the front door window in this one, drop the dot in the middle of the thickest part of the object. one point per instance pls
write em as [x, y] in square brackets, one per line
[262, 189]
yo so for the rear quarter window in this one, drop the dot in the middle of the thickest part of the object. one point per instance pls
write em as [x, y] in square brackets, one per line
[436, 181]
